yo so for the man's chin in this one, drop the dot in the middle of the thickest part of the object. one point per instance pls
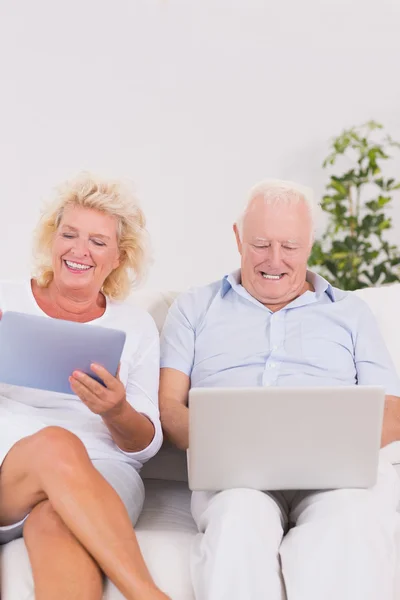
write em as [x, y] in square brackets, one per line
[273, 287]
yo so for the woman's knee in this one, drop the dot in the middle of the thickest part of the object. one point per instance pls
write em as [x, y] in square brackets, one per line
[56, 447]
[42, 522]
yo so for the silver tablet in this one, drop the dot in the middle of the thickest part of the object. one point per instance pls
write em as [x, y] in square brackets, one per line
[41, 352]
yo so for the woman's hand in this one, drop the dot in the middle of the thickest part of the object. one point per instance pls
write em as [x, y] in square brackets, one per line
[130, 430]
[104, 401]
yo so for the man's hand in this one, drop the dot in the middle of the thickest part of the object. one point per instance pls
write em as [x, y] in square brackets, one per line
[391, 421]
[103, 401]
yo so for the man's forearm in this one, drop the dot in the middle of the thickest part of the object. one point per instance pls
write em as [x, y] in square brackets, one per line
[391, 421]
[175, 422]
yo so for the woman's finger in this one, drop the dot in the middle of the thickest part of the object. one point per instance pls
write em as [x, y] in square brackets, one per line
[109, 380]
[94, 386]
[83, 392]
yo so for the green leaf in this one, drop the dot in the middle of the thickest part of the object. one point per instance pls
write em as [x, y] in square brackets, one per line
[371, 125]
[352, 251]
[337, 185]
[386, 224]
[383, 200]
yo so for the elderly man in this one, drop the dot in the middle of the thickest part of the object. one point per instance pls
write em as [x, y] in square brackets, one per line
[274, 323]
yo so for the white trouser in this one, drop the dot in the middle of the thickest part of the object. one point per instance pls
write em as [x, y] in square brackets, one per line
[342, 546]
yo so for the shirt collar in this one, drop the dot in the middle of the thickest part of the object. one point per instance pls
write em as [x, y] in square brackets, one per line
[320, 285]
[230, 281]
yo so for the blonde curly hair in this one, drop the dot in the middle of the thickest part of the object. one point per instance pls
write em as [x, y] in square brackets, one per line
[109, 197]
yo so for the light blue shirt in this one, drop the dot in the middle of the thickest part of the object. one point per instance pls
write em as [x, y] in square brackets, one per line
[221, 336]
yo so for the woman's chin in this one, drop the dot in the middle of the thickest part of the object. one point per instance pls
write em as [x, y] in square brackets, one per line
[70, 280]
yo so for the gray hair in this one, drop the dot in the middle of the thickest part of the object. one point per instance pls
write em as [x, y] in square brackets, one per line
[275, 191]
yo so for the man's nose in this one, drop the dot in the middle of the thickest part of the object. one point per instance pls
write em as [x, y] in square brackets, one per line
[274, 255]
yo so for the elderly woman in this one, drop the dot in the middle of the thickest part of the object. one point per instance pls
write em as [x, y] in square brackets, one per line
[69, 465]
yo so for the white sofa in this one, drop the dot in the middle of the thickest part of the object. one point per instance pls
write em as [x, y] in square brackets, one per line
[166, 529]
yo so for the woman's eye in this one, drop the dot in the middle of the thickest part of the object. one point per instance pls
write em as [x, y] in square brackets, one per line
[68, 236]
[98, 243]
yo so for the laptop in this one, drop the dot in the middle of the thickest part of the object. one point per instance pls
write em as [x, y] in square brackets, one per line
[284, 438]
[40, 352]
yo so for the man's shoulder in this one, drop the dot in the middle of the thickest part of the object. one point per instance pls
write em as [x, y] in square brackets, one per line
[350, 302]
[195, 302]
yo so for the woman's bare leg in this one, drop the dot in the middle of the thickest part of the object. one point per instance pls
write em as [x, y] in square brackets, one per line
[53, 465]
[61, 566]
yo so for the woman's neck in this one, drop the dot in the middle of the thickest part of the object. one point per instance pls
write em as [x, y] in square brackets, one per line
[68, 304]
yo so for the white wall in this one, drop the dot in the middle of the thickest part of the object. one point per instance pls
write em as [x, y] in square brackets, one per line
[193, 100]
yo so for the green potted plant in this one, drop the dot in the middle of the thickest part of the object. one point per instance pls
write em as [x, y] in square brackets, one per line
[353, 252]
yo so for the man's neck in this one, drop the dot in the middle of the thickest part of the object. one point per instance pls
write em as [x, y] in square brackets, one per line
[307, 287]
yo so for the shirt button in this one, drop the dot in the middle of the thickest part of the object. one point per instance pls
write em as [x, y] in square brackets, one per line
[274, 348]
[272, 365]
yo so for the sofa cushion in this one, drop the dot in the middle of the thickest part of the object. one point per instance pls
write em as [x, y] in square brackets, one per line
[165, 532]
[155, 302]
[384, 302]
[169, 464]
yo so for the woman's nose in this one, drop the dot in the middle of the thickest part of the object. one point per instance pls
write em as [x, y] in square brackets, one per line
[80, 247]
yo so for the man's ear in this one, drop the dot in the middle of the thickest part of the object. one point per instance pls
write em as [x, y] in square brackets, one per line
[238, 240]
[311, 244]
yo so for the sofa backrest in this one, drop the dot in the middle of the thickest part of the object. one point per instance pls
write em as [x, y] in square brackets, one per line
[384, 301]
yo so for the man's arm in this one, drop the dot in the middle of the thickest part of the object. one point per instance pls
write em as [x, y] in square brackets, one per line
[173, 400]
[177, 358]
[374, 366]
[391, 421]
